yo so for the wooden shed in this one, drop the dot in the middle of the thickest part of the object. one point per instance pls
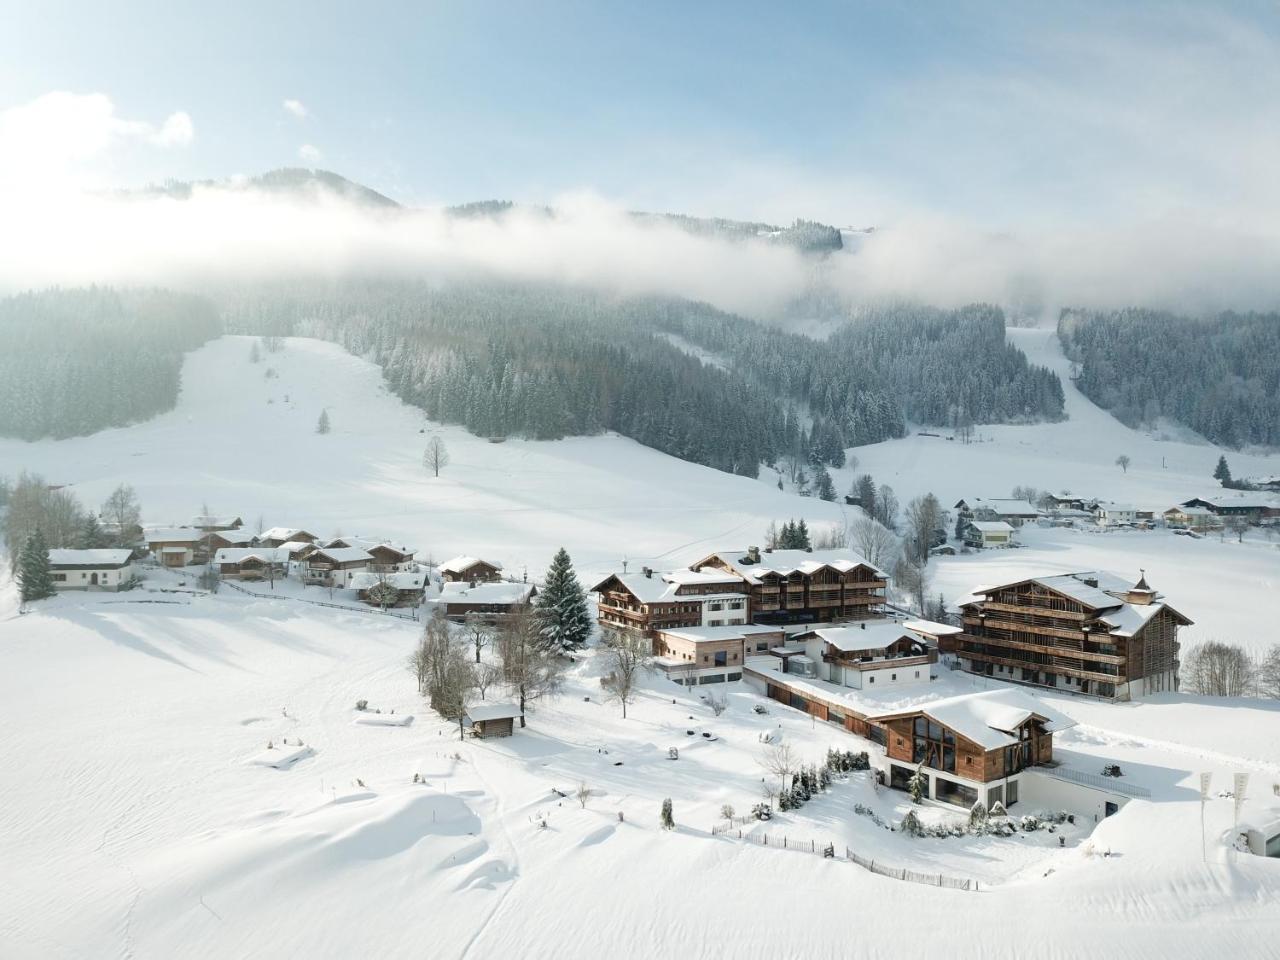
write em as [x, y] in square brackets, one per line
[492, 719]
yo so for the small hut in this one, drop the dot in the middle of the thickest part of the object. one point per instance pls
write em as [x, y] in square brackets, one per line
[492, 719]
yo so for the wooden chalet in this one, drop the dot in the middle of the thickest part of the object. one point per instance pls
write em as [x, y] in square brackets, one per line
[278, 535]
[251, 563]
[1013, 512]
[803, 586]
[490, 601]
[399, 588]
[970, 747]
[174, 547]
[1083, 632]
[334, 566]
[470, 570]
[385, 556]
[209, 524]
[987, 534]
[648, 602]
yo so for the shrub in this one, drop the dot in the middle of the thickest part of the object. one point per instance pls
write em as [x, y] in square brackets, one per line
[911, 825]
[977, 816]
[998, 810]
[362, 705]
[668, 819]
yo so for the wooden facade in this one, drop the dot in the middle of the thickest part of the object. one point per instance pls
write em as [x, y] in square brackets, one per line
[477, 571]
[1030, 632]
[825, 594]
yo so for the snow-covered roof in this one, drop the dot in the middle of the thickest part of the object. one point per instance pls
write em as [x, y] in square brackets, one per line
[369, 543]
[707, 575]
[1004, 506]
[215, 521]
[988, 718]
[241, 554]
[1192, 511]
[500, 592]
[710, 634]
[661, 587]
[342, 554]
[867, 635]
[786, 562]
[991, 526]
[401, 580]
[1100, 591]
[460, 564]
[89, 558]
[231, 536]
[493, 711]
[174, 535]
[284, 533]
[1117, 508]
[931, 628]
[295, 546]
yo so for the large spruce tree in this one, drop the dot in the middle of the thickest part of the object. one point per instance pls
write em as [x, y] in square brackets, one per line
[564, 622]
[34, 578]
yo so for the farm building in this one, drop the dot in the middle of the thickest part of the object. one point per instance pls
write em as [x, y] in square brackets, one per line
[489, 720]
[91, 569]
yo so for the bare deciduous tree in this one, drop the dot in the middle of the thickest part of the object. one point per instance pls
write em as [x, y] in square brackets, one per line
[1218, 669]
[582, 794]
[913, 580]
[779, 760]
[924, 516]
[530, 672]
[627, 654]
[436, 457]
[123, 514]
[1269, 673]
[487, 675]
[873, 540]
[718, 703]
[1123, 462]
[478, 633]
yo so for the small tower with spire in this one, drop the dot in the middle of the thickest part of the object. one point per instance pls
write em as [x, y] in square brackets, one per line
[1141, 593]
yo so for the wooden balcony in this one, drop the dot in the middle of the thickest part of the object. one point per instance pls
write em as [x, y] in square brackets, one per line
[997, 623]
[990, 607]
[1048, 649]
[1044, 667]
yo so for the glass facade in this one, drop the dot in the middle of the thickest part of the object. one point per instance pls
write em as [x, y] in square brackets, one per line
[933, 745]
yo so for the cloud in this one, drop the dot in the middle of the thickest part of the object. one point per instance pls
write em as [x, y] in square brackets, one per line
[60, 137]
[310, 154]
[297, 108]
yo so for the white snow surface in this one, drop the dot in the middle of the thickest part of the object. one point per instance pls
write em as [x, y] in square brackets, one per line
[132, 826]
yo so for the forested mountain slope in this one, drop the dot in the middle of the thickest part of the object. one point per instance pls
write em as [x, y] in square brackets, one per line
[73, 362]
[548, 361]
[1218, 375]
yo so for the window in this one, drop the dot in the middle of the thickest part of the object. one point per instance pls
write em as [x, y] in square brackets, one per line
[871, 679]
[933, 745]
[995, 795]
[734, 676]
[762, 647]
[1012, 793]
[893, 676]
[949, 791]
[721, 658]
[917, 674]
[899, 777]
[58, 577]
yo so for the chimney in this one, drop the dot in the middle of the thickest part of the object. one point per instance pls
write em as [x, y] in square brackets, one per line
[648, 573]
[754, 554]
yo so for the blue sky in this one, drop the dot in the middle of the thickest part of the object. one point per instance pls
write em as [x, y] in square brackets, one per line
[857, 113]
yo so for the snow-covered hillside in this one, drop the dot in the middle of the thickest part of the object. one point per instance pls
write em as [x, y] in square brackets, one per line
[246, 444]
[133, 824]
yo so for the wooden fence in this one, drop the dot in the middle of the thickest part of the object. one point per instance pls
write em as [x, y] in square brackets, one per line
[828, 850]
[377, 611]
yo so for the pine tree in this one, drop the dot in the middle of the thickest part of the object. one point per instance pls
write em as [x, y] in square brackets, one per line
[34, 578]
[668, 819]
[322, 425]
[802, 536]
[564, 623]
[91, 535]
[822, 484]
[1222, 473]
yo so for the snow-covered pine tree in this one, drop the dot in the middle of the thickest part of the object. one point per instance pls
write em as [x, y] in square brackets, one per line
[322, 425]
[802, 536]
[1222, 473]
[34, 578]
[564, 622]
[822, 484]
[668, 819]
[91, 535]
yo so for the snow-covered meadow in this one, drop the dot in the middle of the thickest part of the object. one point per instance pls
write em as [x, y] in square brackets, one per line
[134, 822]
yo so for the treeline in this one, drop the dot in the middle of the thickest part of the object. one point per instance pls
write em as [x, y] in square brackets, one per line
[546, 361]
[893, 364]
[1220, 376]
[76, 361]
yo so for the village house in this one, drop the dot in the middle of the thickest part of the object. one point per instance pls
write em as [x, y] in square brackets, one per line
[91, 569]
[209, 524]
[802, 586]
[1013, 512]
[465, 569]
[174, 547]
[1199, 519]
[971, 747]
[1067, 503]
[214, 540]
[649, 601]
[490, 601]
[333, 566]
[403, 588]
[1116, 514]
[987, 534]
[251, 563]
[278, 535]
[1082, 632]
[871, 652]
[701, 655]
[1252, 510]
[385, 556]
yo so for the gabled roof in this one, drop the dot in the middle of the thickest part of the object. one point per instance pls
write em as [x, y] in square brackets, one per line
[661, 587]
[234, 537]
[461, 563]
[89, 558]
[1107, 601]
[241, 554]
[712, 634]
[284, 533]
[493, 711]
[990, 718]
[865, 635]
[174, 535]
[499, 592]
[786, 562]
[401, 580]
[369, 543]
[341, 554]
[1002, 506]
[990, 526]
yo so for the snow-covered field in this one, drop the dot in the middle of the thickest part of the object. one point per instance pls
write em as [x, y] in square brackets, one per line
[134, 822]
